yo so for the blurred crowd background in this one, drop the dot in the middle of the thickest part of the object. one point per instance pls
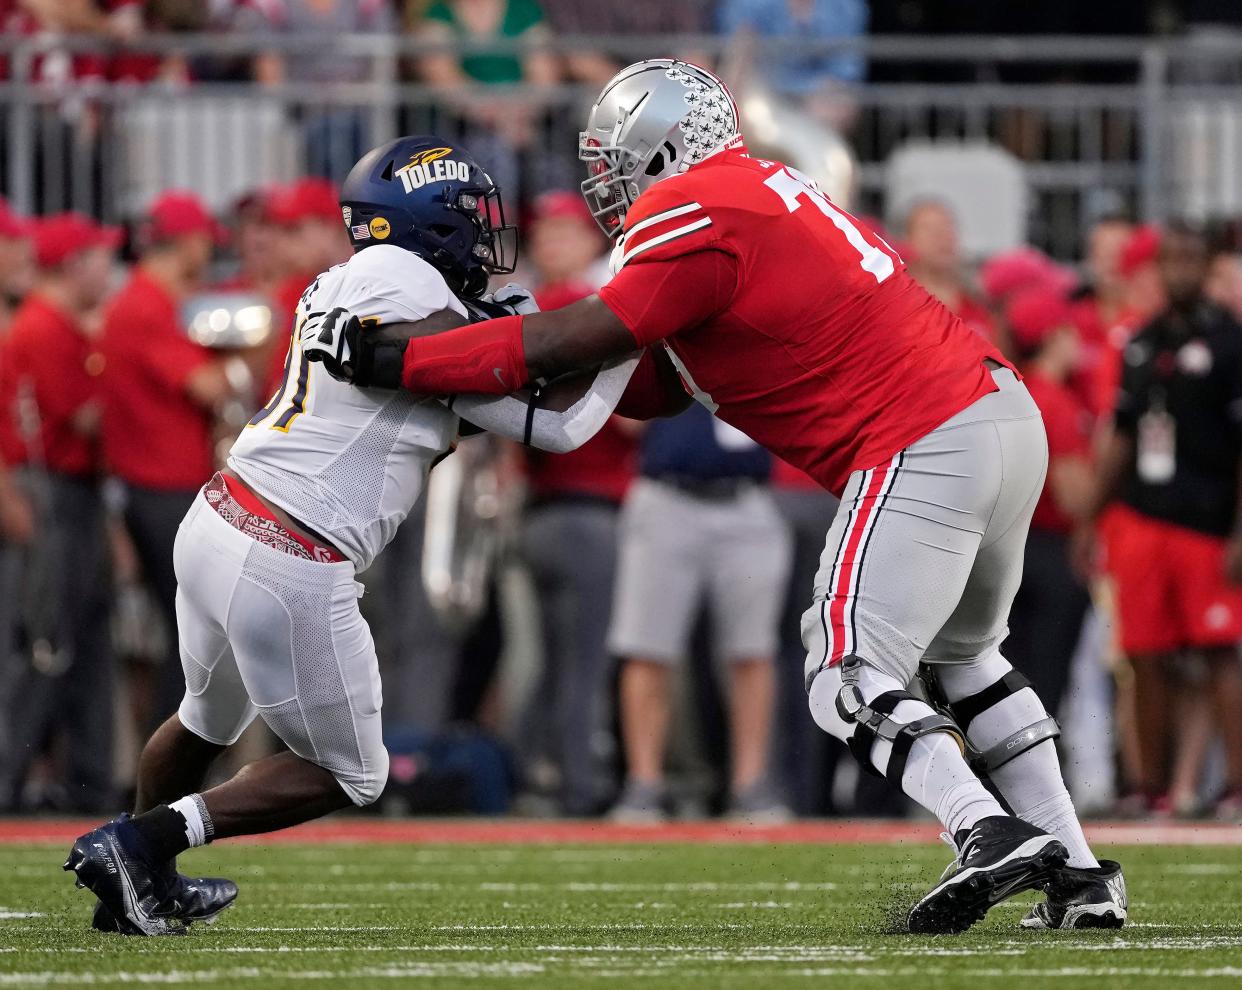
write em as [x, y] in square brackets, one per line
[615, 630]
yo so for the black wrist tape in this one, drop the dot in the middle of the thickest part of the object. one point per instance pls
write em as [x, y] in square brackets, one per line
[380, 363]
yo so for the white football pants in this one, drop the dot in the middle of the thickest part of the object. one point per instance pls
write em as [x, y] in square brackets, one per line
[266, 633]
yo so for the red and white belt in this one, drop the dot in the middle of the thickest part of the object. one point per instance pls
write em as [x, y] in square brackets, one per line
[238, 506]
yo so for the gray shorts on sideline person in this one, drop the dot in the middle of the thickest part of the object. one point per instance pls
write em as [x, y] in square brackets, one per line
[723, 546]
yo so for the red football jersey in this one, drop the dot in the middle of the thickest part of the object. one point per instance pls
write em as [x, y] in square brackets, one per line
[1068, 424]
[789, 319]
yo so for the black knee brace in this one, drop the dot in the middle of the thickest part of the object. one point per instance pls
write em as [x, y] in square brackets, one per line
[966, 710]
[875, 721]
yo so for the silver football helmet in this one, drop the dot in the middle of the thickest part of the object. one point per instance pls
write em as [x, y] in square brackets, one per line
[653, 119]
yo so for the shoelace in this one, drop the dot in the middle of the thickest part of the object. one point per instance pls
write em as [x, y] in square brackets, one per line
[954, 866]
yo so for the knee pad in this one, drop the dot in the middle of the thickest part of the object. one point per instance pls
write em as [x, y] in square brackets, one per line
[966, 710]
[866, 723]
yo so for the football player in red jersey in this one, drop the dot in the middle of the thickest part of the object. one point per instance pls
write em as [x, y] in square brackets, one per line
[798, 326]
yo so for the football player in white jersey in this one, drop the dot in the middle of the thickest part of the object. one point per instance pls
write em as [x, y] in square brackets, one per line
[316, 485]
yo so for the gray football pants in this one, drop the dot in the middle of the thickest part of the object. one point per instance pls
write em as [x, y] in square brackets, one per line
[925, 555]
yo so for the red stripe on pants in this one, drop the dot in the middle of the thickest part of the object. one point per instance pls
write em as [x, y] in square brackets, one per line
[845, 573]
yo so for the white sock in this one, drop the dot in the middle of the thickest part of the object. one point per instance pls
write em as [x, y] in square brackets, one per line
[199, 829]
[936, 774]
[1031, 782]
[940, 780]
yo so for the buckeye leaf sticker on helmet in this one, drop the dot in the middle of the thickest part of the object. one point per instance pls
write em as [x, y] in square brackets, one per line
[653, 119]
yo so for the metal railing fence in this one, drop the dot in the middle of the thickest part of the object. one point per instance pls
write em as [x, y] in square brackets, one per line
[1151, 126]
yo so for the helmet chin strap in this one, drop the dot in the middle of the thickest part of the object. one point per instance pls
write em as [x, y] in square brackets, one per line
[474, 283]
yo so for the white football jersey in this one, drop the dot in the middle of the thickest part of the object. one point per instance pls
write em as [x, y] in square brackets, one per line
[350, 462]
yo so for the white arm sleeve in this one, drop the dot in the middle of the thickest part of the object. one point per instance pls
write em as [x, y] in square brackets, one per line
[558, 432]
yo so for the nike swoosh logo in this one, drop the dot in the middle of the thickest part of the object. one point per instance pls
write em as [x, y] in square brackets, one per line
[1000, 893]
[500, 378]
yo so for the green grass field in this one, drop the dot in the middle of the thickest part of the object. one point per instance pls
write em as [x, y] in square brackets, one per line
[677, 916]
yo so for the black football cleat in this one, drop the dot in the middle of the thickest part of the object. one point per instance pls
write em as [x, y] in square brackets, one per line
[1082, 897]
[999, 857]
[113, 863]
[201, 901]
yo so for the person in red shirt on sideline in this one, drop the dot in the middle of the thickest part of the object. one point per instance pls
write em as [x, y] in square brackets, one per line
[51, 426]
[160, 391]
[17, 272]
[1103, 300]
[17, 262]
[802, 329]
[307, 214]
[257, 248]
[1143, 298]
[569, 538]
[933, 258]
[1052, 601]
[566, 249]
[1101, 303]
[17, 517]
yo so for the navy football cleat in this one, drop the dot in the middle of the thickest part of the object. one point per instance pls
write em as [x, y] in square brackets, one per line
[201, 901]
[1082, 897]
[114, 864]
[996, 859]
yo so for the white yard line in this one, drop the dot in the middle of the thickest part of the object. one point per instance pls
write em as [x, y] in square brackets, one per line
[492, 971]
[1207, 869]
[570, 886]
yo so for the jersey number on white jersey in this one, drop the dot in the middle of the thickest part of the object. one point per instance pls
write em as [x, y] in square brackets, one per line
[791, 185]
[290, 397]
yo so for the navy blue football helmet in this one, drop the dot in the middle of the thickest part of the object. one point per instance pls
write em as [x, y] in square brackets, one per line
[427, 196]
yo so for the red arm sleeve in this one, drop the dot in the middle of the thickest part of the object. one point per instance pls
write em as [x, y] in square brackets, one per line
[488, 358]
[656, 299]
[653, 300]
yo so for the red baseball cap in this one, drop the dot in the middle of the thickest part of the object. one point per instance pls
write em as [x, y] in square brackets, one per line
[1034, 313]
[305, 199]
[1023, 268]
[177, 213]
[561, 203]
[59, 237]
[12, 226]
[1141, 249]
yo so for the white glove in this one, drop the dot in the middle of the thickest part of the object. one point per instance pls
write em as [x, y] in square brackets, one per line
[515, 298]
[508, 300]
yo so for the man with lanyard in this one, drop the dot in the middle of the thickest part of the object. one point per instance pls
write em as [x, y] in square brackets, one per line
[1176, 550]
